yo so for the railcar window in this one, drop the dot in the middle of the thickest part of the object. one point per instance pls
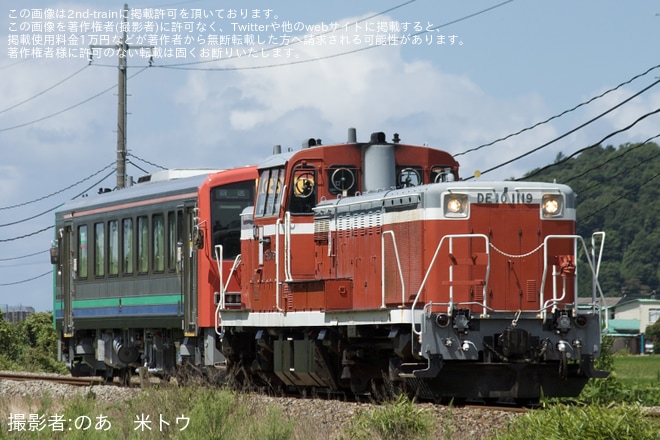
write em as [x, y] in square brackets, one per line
[82, 251]
[99, 249]
[113, 248]
[270, 192]
[159, 242]
[228, 201]
[171, 241]
[143, 244]
[128, 245]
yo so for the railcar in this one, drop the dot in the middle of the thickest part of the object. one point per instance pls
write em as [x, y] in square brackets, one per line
[370, 265]
[137, 271]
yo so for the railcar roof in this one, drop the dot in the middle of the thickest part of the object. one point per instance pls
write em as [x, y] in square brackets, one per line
[139, 191]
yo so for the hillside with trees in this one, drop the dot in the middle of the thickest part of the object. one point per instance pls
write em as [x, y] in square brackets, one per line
[618, 191]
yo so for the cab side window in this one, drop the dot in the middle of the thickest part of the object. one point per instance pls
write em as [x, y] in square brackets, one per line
[303, 190]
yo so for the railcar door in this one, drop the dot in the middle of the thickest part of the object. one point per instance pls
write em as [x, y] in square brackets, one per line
[188, 266]
[67, 274]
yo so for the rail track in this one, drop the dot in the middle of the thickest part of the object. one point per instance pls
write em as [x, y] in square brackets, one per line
[65, 380]
[91, 381]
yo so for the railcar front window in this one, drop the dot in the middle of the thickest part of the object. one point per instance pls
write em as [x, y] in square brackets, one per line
[227, 203]
[82, 251]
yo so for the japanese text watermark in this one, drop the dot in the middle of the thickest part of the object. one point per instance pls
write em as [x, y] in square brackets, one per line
[197, 34]
[58, 423]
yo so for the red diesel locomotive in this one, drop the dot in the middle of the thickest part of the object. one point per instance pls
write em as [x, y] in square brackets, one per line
[367, 265]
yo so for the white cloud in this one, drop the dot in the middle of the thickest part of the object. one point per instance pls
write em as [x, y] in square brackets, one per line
[226, 118]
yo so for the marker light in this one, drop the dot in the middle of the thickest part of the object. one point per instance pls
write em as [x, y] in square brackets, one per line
[552, 205]
[456, 205]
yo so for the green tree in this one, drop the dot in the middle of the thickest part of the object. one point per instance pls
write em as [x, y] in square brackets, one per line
[39, 341]
[652, 333]
[617, 192]
[10, 347]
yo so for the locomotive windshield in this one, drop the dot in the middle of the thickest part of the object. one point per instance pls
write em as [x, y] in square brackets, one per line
[227, 202]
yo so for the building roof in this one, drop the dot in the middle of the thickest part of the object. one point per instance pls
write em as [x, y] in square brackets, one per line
[646, 301]
[623, 327]
[610, 301]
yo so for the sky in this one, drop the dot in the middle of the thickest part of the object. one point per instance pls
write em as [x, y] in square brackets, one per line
[228, 80]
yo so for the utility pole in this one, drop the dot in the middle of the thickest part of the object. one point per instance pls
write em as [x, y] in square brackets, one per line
[122, 117]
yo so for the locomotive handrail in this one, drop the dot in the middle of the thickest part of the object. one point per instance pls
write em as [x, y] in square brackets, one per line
[451, 290]
[234, 266]
[546, 304]
[221, 301]
[600, 250]
[277, 262]
[219, 252]
[398, 263]
[287, 246]
[596, 285]
[595, 281]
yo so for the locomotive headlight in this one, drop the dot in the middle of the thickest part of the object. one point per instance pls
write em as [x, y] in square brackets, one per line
[552, 205]
[456, 205]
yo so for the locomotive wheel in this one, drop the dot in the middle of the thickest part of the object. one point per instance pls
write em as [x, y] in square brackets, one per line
[125, 377]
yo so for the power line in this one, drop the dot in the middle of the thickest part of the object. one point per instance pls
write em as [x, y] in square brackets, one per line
[57, 192]
[68, 108]
[183, 66]
[621, 171]
[5, 240]
[24, 256]
[138, 167]
[571, 131]
[145, 161]
[15, 64]
[558, 115]
[180, 65]
[30, 218]
[621, 197]
[628, 150]
[25, 281]
[594, 145]
[45, 90]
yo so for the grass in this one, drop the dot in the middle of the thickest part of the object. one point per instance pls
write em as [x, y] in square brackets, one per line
[610, 408]
[578, 422]
[637, 370]
[168, 412]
